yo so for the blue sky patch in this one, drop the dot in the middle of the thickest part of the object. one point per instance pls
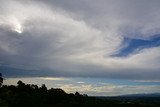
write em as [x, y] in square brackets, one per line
[137, 44]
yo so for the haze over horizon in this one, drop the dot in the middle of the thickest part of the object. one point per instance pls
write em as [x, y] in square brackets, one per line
[104, 47]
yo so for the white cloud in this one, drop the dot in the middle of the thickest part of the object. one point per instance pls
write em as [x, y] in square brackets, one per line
[53, 78]
[80, 82]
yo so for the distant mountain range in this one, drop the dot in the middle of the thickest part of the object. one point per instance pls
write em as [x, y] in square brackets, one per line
[141, 95]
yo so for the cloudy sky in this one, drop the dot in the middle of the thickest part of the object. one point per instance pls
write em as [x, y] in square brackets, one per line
[112, 45]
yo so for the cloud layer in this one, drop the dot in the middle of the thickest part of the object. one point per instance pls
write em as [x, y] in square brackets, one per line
[90, 86]
[78, 38]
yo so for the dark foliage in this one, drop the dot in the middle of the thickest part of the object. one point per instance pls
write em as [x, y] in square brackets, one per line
[1, 79]
[30, 95]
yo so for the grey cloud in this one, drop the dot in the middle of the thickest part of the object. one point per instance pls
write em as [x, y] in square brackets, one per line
[130, 18]
[77, 38]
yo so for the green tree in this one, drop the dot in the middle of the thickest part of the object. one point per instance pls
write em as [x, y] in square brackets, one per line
[77, 94]
[43, 87]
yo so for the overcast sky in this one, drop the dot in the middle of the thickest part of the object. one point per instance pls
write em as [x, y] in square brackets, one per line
[112, 39]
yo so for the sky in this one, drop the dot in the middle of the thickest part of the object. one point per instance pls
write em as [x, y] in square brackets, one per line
[104, 47]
